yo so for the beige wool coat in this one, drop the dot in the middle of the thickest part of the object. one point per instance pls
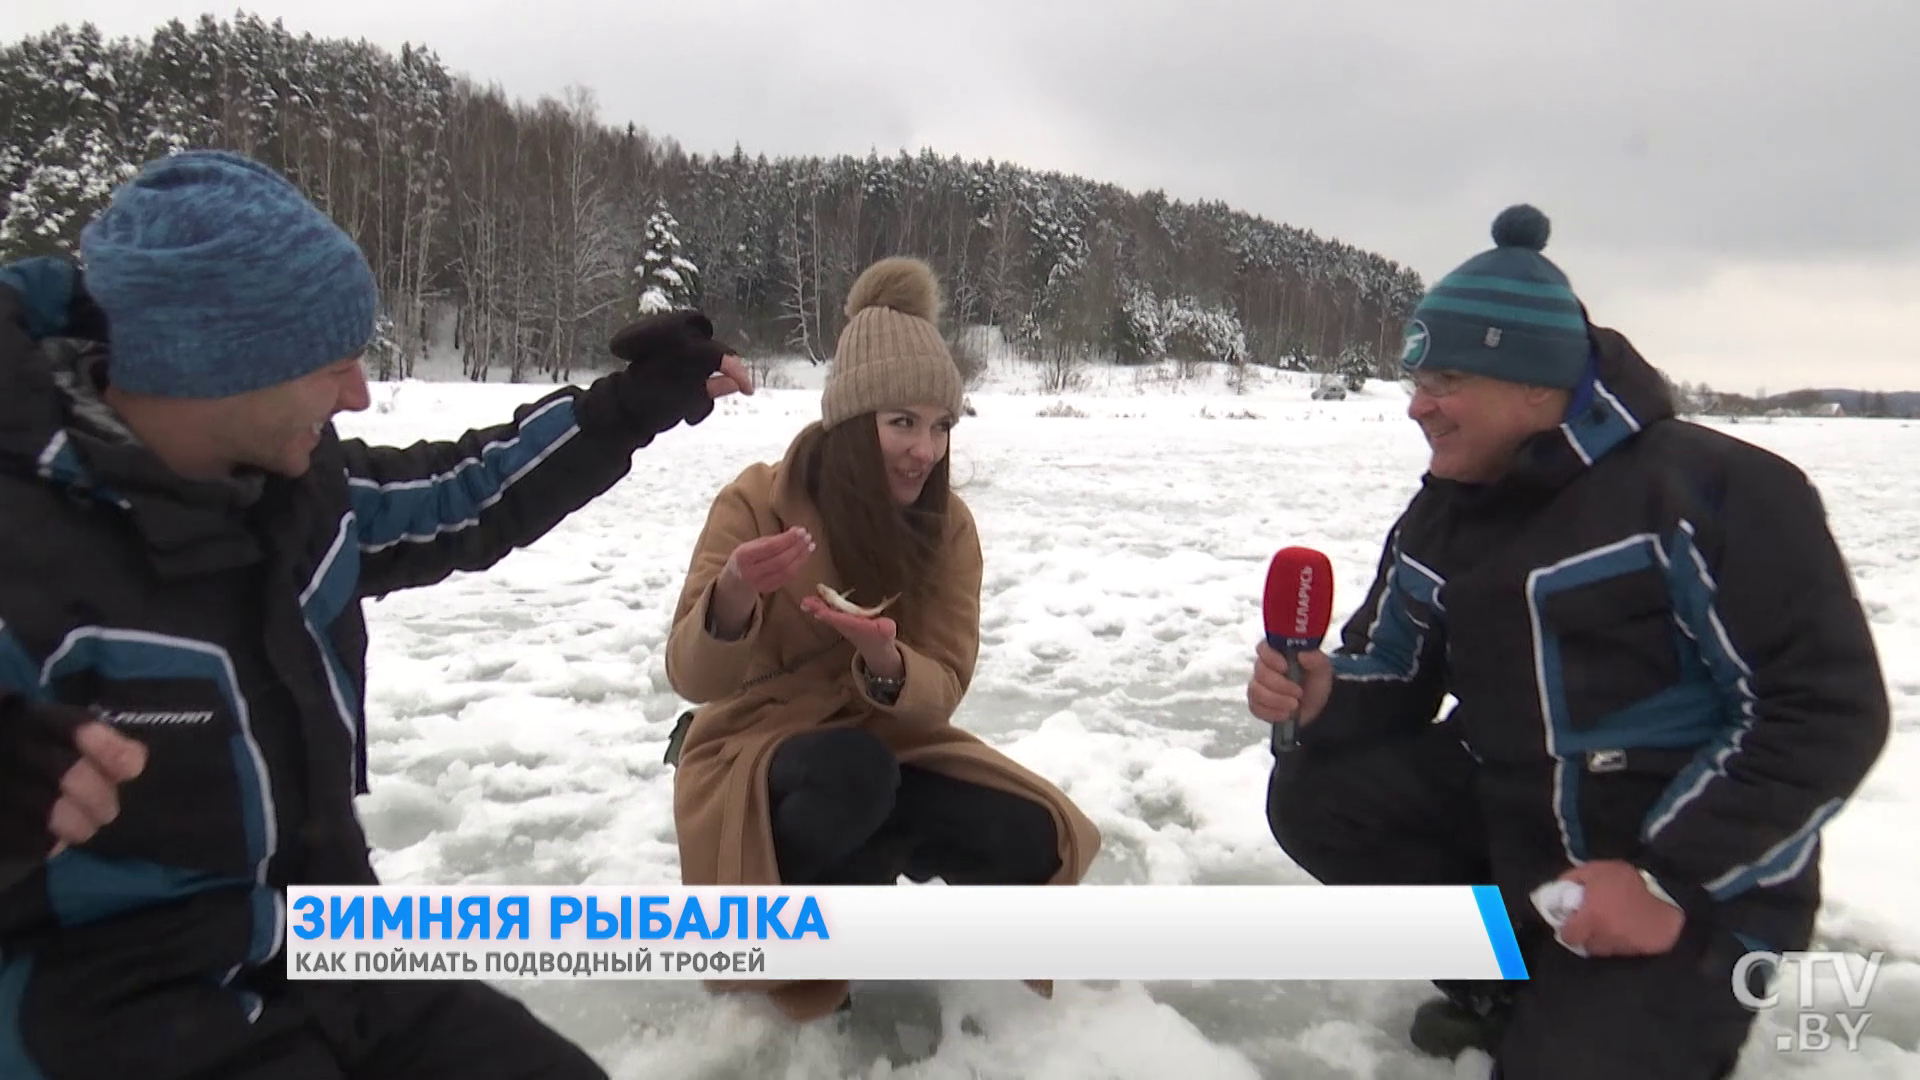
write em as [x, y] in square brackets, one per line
[790, 673]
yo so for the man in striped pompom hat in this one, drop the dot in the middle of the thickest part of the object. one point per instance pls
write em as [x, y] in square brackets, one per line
[1508, 315]
[1665, 688]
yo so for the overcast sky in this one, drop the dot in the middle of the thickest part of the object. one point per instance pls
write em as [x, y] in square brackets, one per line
[1735, 185]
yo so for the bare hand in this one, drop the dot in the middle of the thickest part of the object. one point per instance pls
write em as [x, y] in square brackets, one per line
[89, 797]
[733, 378]
[768, 563]
[872, 635]
[1273, 697]
[1619, 916]
[757, 567]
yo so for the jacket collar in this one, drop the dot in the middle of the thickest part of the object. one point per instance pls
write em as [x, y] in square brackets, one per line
[56, 427]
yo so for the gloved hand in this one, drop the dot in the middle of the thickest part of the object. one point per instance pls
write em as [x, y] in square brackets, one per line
[670, 356]
[59, 768]
[54, 301]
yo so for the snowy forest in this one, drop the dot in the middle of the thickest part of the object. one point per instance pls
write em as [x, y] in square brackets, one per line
[529, 232]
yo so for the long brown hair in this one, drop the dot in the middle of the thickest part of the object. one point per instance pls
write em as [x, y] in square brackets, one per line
[881, 547]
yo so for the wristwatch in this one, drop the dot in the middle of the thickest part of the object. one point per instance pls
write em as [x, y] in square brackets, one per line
[883, 689]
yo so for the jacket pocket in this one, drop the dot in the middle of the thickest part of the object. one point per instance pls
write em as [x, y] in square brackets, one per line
[1606, 645]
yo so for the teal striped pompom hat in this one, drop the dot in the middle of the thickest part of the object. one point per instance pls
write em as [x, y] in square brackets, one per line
[1507, 313]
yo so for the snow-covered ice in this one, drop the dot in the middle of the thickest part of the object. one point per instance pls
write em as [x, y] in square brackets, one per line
[518, 716]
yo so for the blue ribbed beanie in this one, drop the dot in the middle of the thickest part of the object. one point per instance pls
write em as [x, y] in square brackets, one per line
[218, 276]
[1507, 313]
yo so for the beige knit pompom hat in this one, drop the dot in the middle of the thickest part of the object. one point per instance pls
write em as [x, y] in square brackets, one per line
[891, 356]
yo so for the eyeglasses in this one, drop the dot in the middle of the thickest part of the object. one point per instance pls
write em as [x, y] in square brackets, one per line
[1435, 384]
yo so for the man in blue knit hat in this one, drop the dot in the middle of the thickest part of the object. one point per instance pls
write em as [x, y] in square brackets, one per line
[1665, 686]
[182, 651]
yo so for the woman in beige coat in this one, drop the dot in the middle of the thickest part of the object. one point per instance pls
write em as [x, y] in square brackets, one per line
[824, 752]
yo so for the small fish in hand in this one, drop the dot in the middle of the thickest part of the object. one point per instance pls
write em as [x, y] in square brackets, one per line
[839, 602]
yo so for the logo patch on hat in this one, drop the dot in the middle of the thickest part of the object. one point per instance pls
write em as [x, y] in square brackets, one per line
[1413, 349]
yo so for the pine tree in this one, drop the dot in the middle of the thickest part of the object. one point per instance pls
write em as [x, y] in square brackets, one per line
[668, 280]
[1354, 366]
[65, 125]
[1137, 335]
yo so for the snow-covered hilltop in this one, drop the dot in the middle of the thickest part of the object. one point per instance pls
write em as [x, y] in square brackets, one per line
[519, 235]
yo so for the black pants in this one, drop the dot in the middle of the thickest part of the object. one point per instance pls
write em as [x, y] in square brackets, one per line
[846, 812]
[330, 1031]
[1405, 813]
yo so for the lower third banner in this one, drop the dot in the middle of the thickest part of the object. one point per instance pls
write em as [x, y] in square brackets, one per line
[900, 932]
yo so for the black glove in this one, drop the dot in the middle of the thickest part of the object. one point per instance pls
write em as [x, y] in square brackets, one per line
[36, 750]
[669, 358]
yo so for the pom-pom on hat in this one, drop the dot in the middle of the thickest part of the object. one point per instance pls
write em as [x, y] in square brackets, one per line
[891, 355]
[1507, 313]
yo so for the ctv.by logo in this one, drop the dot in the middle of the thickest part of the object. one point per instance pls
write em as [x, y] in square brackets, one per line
[1813, 1029]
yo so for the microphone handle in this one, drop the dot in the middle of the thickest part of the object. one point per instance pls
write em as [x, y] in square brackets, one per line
[1286, 733]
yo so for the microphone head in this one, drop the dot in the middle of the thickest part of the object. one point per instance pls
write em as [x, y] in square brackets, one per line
[1299, 600]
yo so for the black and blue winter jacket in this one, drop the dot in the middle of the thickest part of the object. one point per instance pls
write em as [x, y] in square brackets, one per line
[220, 624]
[1655, 645]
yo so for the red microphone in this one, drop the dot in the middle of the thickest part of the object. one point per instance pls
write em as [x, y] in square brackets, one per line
[1297, 607]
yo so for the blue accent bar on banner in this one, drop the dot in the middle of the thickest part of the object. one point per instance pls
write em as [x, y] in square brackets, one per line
[1506, 948]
